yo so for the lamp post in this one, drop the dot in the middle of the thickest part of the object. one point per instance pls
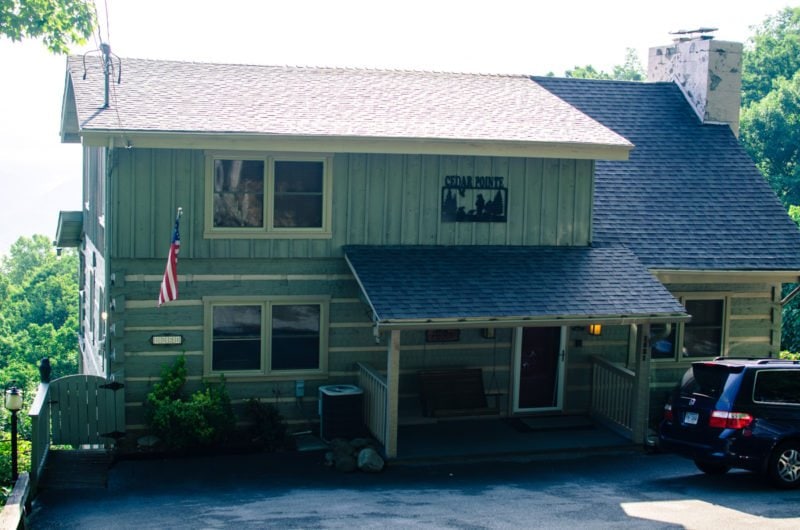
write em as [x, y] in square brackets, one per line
[13, 403]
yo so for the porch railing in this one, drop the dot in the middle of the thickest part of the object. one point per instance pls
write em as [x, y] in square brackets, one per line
[375, 392]
[40, 431]
[612, 395]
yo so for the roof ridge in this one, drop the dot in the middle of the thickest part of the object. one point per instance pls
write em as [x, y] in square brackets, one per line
[324, 67]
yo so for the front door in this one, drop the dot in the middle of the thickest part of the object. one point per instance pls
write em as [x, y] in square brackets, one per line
[539, 367]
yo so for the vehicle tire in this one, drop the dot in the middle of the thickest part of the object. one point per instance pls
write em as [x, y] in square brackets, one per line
[712, 468]
[784, 465]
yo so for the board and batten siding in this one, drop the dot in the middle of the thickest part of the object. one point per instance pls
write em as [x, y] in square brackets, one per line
[376, 200]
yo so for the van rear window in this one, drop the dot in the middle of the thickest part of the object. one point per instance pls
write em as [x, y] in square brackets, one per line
[705, 379]
[777, 386]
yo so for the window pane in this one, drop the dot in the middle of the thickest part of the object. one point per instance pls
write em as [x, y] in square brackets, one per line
[662, 341]
[295, 337]
[237, 338]
[703, 334]
[238, 193]
[777, 386]
[298, 194]
[298, 177]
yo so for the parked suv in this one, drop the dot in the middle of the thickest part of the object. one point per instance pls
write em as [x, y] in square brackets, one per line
[742, 413]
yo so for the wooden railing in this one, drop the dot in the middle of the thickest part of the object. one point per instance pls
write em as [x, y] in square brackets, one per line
[40, 431]
[612, 395]
[375, 391]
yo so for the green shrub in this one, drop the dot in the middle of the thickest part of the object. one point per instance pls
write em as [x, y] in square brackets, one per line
[23, 458]
[184, 422]
[268, 427]
[790, 356]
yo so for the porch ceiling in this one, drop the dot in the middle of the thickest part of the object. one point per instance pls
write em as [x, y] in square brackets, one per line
[464, 286]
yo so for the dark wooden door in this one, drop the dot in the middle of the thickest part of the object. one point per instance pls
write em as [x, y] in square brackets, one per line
[539, 363]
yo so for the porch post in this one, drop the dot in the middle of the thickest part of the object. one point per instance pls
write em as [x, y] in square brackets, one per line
[641, 391]
[393, 393]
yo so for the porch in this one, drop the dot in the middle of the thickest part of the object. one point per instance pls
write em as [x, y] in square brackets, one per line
[496, 437]
[611, 422]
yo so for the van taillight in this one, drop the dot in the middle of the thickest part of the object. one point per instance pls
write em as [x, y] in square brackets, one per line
[721, 419]
[668, 416]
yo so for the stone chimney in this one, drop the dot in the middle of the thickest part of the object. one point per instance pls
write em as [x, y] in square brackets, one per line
[709, 72]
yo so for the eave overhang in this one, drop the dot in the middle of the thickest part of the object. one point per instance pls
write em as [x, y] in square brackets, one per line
[352, 144]
[69, 232]
[668, 276]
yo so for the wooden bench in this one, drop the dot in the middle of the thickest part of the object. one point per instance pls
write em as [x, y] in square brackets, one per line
[453, 392]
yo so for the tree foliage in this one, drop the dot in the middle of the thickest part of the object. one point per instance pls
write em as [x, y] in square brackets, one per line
[59, 23]
[630, 70]
[772, 54]
[770, 130]
[38, 318]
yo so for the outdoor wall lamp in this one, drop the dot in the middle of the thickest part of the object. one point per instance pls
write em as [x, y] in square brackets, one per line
[595, 330]
[13, 402]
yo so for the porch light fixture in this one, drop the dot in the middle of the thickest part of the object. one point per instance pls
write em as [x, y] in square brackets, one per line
[595, 330]
[13, 402]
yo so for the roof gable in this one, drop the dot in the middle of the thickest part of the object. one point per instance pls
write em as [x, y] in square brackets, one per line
[275, 101]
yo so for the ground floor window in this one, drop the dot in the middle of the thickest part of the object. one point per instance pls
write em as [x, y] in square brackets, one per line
[266, 336]
[701, 337]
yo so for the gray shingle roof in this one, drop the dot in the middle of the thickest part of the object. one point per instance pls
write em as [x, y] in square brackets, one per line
[166, 96]
[689, 197]
[476, 282]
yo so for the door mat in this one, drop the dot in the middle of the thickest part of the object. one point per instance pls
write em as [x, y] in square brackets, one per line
[552, 423]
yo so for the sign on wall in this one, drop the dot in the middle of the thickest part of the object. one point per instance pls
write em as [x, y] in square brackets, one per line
[471, 199]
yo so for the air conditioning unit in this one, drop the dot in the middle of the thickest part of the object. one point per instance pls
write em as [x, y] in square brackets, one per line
[341, 412]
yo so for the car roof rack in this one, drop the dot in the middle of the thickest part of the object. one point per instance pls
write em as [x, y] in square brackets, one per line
[758, 360]
[768, 361]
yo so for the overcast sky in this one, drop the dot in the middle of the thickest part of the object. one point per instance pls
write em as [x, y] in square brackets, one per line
[40, 176]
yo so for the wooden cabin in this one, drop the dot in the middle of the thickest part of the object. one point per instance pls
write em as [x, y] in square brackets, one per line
[451, 244]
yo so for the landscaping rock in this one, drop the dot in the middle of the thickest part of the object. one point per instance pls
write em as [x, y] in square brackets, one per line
[370, 461]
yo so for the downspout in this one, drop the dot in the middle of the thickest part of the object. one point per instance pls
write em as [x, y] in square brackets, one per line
[107, 255]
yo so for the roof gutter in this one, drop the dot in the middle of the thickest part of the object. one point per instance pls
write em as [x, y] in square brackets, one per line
[510, 322]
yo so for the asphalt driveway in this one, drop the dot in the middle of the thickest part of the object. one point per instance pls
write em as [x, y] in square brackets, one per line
[294, 490]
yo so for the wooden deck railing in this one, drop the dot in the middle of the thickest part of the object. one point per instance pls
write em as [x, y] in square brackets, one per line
[612, 395]
[375, 391]
[40, 431]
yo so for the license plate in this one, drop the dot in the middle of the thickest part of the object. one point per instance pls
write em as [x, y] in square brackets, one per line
[690, 418]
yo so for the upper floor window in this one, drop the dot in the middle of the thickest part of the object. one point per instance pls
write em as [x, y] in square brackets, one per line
[268, 196]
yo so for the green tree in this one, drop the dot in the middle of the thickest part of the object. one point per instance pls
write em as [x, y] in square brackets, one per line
[630, 70]
[770, 131]
[59, 23]
[773, 53]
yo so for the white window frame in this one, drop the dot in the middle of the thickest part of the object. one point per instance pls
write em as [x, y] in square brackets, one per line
[266, 303]
[680, 328]
[269, 231]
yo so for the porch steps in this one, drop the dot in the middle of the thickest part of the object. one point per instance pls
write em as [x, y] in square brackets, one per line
[76, 469]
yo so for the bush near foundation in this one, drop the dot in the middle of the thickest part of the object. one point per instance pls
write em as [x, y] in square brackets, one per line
[182, 422]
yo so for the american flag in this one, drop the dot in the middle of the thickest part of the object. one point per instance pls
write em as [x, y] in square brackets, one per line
[169, 285]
